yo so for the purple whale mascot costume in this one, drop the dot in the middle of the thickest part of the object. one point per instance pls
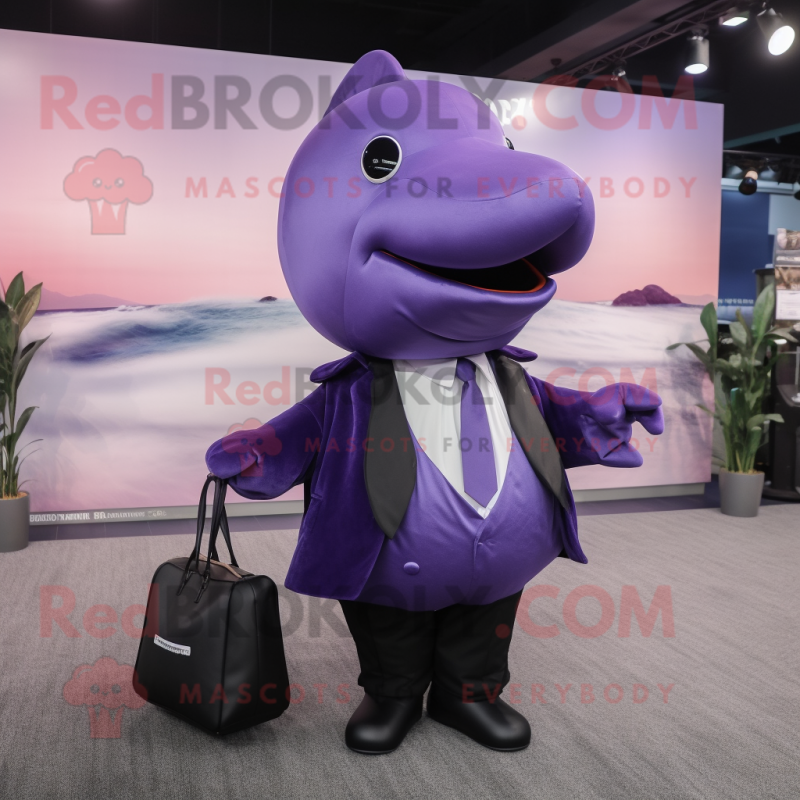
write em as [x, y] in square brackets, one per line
[433, 463]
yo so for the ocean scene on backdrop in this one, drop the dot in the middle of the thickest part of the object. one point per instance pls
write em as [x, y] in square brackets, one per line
[135, 395]
[156, 290]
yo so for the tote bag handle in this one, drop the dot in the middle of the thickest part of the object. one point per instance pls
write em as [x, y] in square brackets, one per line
[219, 519]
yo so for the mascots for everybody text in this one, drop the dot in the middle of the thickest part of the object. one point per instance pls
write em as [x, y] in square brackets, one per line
[433, 464]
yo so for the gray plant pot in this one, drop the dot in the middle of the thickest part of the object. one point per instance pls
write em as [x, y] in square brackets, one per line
[14, 523]
[740, 493]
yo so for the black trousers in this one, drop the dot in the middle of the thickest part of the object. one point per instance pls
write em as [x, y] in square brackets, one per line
[462, 649]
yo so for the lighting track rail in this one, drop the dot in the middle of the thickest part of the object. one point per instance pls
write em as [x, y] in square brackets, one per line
[786, 168]
[681, 25]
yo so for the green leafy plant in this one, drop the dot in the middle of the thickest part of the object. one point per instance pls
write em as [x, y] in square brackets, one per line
[16, 311]
[739, 368]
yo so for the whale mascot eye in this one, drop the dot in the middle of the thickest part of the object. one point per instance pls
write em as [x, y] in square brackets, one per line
[381, 159]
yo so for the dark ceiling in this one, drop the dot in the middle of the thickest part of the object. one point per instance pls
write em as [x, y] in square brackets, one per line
[508, 38]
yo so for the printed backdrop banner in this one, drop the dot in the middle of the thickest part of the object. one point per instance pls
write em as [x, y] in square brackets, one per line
[141, 182]
[787, 276]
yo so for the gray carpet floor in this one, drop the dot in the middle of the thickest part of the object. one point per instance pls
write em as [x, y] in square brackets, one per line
[728, 728]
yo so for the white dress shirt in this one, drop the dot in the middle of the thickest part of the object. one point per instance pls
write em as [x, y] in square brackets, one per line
[431, 395]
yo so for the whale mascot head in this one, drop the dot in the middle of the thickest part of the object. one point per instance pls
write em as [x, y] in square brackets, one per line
[409, 227]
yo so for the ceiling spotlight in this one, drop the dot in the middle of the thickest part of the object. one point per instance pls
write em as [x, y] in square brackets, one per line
[618, 71]
[768, 173]
[797, 193]
[779, 35]
[733, 171]
[697, 59]
[749, 183]
[734, 17]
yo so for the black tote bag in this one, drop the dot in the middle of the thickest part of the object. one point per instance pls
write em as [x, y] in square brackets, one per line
[212, 650]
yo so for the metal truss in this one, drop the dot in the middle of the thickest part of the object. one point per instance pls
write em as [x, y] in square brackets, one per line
[786, 166]
[698, 17]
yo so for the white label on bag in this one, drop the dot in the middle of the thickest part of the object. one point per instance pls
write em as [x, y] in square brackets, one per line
[178, 649]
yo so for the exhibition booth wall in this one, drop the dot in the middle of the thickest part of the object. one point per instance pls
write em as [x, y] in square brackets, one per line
[141, 185]
[747, 239]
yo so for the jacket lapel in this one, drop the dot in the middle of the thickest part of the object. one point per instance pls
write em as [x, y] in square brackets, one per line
[390, 460]
[530, 428]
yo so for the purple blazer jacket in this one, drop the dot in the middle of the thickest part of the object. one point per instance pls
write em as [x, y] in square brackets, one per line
[348, 442]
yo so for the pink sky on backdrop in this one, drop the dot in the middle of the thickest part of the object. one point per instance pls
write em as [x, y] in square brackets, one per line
[177, 249]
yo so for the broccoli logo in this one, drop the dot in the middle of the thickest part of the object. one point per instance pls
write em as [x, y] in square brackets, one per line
[106, 688]
[109, 182]
[251, 423]
[251, 441]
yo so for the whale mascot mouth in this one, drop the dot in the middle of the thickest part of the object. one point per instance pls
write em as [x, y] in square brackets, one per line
[517, 276]
[425, 235]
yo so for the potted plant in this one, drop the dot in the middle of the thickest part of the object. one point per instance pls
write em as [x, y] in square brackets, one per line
[16, 311]
[739, 367]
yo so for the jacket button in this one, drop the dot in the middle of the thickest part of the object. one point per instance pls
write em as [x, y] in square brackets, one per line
[411, 568]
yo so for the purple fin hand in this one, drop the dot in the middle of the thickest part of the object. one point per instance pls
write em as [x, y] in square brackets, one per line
[609, 415]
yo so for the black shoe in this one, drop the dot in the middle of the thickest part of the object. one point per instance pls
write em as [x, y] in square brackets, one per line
[379, 724]
[494, 725]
